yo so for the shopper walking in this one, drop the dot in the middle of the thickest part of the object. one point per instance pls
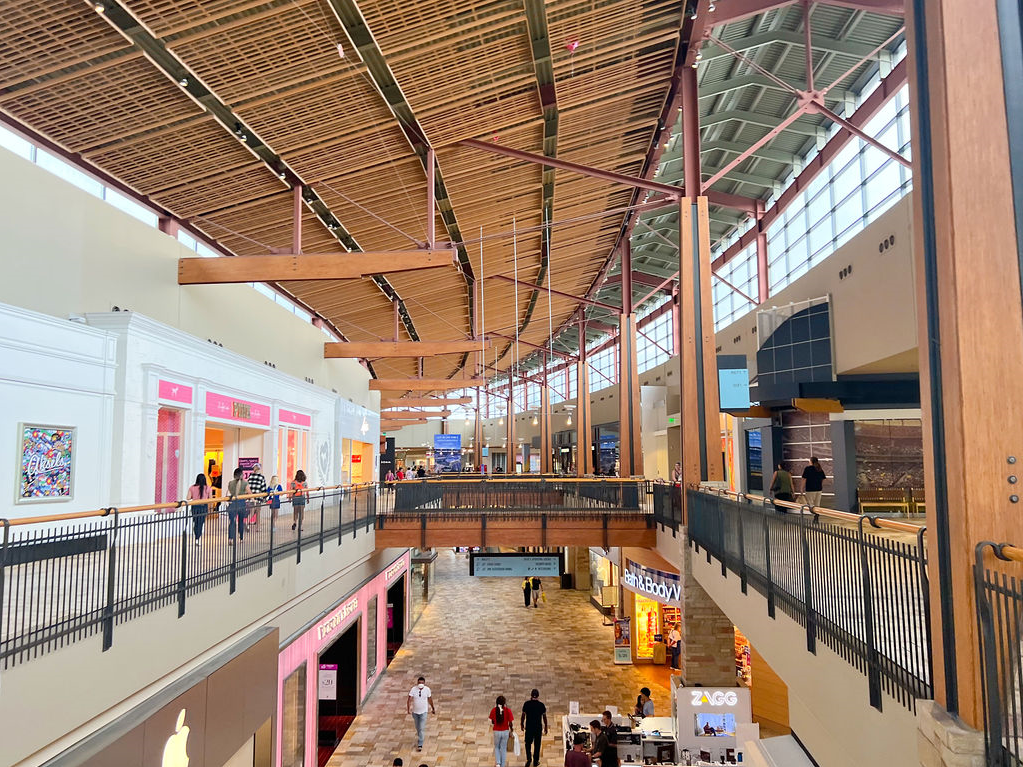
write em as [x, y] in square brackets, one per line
[536, 585]
[781, 486]
[644, 706]
[298, 498]
[420, 701]
[198, 492]
[273, 491]
[257, 484]
[813, 482]
[533, 723]
[236, 506]
[676, 473]
[526, 590]
[502, 719]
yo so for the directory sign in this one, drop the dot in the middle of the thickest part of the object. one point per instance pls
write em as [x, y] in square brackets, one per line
[733, 382]
[516, 565]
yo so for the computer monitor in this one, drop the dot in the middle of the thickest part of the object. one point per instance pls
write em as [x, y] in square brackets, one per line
[714, 725]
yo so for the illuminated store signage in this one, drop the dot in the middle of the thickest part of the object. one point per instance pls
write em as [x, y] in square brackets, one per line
[326, 628]
[656, 584]
[175, 392]
[175, 750]
[298, 419]
[221, 407]
[714, 698]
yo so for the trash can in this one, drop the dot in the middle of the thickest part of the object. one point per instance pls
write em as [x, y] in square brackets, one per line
[567, 581]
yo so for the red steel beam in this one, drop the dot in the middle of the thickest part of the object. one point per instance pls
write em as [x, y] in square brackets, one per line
[580, 299]
[585, 170]
[735, 10]
[889, 86]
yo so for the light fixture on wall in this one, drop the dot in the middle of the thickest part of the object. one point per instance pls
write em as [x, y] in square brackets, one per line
[569, 421]
[535, 420]
[500, 422]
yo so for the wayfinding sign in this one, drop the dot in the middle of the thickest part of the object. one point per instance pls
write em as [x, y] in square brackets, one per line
[516, 565]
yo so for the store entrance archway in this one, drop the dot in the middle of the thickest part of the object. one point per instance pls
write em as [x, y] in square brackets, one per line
[396, 595]
[338, 696]
[227, 447]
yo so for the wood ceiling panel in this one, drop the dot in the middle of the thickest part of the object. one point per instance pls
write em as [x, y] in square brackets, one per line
[37, 40]
[214, 193]
[102, 105]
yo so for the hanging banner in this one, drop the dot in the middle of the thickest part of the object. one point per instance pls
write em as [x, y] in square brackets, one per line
[327, 684]
[447, 452]
[623, 641]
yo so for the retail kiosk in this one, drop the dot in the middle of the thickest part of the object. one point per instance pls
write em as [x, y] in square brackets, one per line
[649, 740]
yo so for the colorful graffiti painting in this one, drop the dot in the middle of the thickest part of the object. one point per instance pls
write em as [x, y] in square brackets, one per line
[47, 463]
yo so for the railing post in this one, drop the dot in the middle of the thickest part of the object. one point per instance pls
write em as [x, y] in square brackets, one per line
[873, 669]
[925, 598]
[270, 550]
[543, 529]
[341, 518]
[108, 610]
[605, 518]
[233, 580]
[483, 531]
[184, 561]
[811, 621]
[722, 549]
[991, 686]
[767, 565]
[3, 570]
[322, 494]
[298, 537]
[742, 543]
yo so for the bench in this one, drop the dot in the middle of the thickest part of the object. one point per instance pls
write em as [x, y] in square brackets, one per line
[896, 498]
[919, 497]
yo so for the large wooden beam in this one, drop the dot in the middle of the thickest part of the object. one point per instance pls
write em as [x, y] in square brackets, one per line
[371, 349]
[425, 402]
[410, 415]
[395, 425]
[307, 266]
[424, 384]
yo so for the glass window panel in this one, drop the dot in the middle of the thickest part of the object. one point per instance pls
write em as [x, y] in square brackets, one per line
[133, 209]
[14, 142]
[68, 172]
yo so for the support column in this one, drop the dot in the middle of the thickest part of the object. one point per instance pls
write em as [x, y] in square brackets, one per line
[763, 270]
[478, 433]
[630, 444]
[509, 423]
[546, 461]
[971, 316]
[583, 426]
[843, 456]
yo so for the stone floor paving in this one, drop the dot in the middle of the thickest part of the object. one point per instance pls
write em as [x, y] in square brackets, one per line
[475, 641]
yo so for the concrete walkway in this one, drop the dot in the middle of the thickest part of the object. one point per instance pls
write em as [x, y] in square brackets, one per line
[476, 641]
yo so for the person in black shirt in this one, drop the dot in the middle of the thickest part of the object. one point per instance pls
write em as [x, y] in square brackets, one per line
[813, 482]
[534, 725]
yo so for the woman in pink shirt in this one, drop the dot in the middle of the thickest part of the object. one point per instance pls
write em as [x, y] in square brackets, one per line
[200, 491]
[502, 720]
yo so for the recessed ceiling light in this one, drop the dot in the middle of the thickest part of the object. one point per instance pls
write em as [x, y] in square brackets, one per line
[183, 82]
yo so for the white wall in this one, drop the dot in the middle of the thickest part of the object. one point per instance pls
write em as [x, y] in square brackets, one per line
[56, 373]
[93, 257]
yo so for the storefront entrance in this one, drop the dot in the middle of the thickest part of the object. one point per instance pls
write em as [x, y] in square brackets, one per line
[358, 461]
[227, 447]
[338, 685]
[395, 617]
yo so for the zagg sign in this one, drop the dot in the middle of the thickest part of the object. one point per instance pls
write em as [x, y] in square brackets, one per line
[659, 585]
[715, 698]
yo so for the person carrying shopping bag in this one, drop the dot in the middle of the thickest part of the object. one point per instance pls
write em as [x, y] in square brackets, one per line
[236, 506]
[298, 498]
[198, 492]
[501, 719]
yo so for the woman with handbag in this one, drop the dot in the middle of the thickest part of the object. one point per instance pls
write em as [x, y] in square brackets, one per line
[236, 506]
[502, 719]
[274, 491]
[781, 487]
[200, 491]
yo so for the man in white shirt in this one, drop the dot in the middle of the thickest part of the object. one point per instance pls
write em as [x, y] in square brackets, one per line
[420, 701]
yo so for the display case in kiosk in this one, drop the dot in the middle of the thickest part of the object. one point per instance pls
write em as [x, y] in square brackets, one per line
[649, 740]
[707, 719]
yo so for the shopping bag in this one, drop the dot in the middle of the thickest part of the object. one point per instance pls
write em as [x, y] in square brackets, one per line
[543, 596]
[516, 747]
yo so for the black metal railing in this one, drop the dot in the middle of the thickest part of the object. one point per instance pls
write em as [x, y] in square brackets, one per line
[999, 604]
[862, 593]
[63, 583]
[510, 495]
[667, 505]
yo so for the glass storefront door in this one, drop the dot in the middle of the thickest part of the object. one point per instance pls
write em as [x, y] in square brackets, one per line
[169, 440]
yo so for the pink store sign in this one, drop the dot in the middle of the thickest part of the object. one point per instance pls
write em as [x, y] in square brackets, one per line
[298, 419]
[175, 392]
[221, 407]
[324, 632]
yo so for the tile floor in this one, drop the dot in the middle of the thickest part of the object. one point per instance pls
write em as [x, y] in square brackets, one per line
[476, 641]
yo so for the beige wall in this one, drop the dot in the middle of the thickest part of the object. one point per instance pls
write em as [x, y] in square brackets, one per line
[67, 252]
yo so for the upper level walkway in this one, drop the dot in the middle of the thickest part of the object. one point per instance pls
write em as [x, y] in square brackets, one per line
[521, 511]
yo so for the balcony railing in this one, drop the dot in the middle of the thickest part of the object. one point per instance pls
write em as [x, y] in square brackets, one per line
[67, 577]
[999, 597]
[862, 592]
[478, 495]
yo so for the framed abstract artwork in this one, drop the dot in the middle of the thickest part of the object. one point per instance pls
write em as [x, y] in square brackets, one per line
[46, 460]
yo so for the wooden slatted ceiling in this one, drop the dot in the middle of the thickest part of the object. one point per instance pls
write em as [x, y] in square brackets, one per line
[466, 71]
[40, 39]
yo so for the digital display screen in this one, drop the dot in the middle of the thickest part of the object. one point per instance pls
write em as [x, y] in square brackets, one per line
[715, 725]
[733, 388]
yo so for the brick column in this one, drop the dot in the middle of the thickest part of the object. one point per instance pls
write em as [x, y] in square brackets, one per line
[708, 636]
